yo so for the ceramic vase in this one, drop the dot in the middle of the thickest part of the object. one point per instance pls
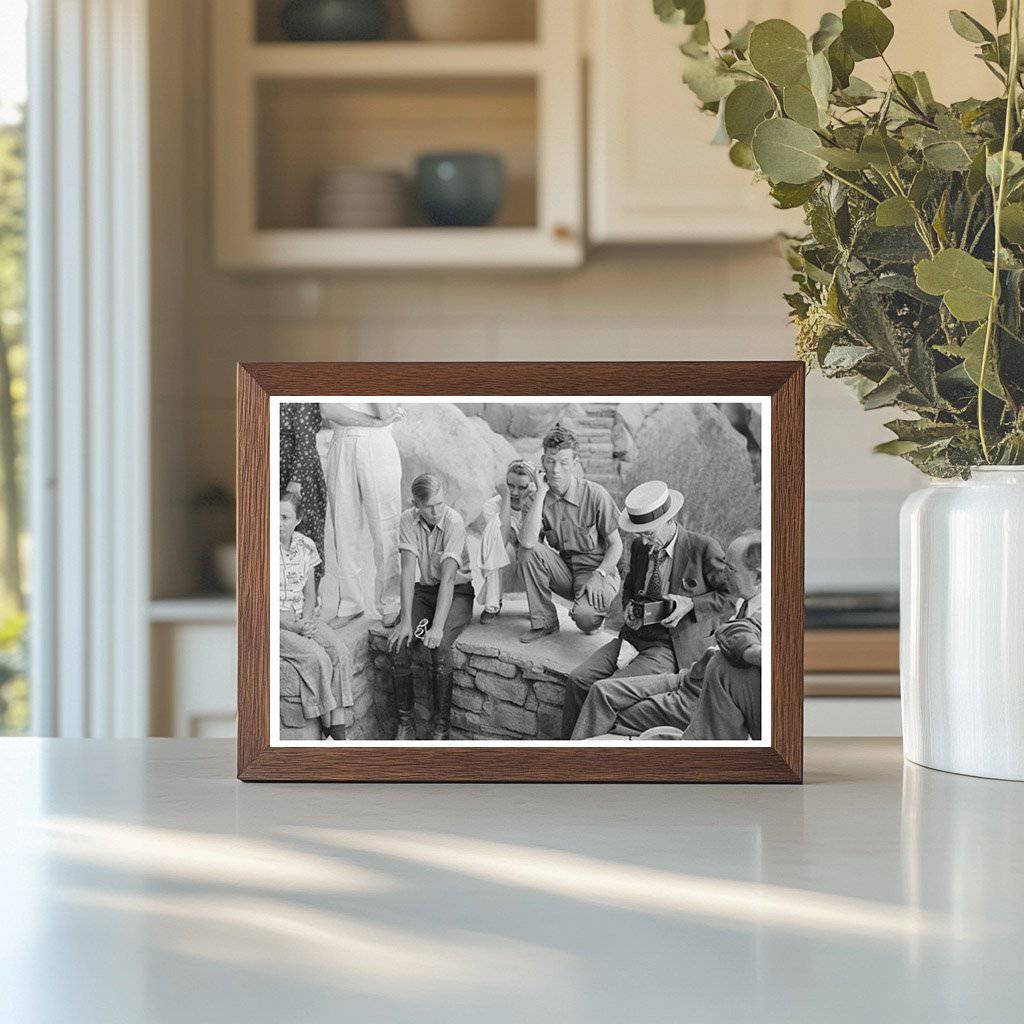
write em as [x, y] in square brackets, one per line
[962, 624]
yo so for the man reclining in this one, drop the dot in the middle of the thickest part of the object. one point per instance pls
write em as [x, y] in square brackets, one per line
[719, 697]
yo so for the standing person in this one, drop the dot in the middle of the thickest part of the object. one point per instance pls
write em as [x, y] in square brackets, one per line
[321, 660]
[436, 608]
[301, 471]
[684, 571]
[499, 544]
[364, 484]
[719, 696]
[580, 560]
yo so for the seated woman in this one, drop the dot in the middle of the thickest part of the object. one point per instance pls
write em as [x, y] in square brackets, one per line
[719, 696]
[436, 608]
[321, 661]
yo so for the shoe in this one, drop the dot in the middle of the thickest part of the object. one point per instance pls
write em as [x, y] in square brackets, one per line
[487, 616]
[390, 621]
[337, 732]
[538, 633]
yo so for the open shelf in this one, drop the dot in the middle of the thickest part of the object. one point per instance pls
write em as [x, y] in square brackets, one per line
[286, 114]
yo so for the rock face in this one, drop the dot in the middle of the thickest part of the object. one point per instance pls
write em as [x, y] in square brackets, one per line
[464, 452]
[695, 449]
[524, 419]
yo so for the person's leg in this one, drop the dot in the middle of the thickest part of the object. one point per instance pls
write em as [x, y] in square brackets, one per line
[600, 665]
[544, 573]
[380, 485]
[459, 616]
[402, 666]
[313, 666]
[583, 613]
[341, 678]
[729, 707]
[346, 523]
[493, 560]
[670, 708]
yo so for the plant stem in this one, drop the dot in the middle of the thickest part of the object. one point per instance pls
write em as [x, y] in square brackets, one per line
[1011, 108]
[853, 185]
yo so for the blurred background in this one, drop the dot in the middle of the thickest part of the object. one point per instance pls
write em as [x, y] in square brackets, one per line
[371, 180]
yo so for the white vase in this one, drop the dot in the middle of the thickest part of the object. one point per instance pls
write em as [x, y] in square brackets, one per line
[962, 624]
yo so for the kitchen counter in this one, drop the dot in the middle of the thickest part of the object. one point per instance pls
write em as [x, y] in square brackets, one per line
[140, 882]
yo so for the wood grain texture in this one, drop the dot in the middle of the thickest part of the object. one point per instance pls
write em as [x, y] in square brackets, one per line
[781, 762]
[852, 650]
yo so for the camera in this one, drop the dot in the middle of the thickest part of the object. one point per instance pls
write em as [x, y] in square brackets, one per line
[647, 613]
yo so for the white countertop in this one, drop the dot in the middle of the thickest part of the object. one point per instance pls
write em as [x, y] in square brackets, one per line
[140, 882]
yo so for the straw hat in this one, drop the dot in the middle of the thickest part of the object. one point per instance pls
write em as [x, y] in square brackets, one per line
[648, 506]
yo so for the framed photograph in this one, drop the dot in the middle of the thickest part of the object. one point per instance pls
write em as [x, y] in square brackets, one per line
[563, 572]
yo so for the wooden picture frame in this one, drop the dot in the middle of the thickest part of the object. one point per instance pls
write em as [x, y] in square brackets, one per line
[780, 759]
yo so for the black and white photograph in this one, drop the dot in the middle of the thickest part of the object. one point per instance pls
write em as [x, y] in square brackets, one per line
[520, 570]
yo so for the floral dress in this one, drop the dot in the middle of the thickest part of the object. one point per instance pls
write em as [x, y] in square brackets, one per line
[300, 463]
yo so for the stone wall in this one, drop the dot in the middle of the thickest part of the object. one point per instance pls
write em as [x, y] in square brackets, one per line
[502, 689]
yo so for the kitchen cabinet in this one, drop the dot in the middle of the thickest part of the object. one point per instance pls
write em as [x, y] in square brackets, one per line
[286, 114]
[654, 177]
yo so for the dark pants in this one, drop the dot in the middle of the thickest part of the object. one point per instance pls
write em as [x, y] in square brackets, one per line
[424, 601]
[730, 703]
[654, 658]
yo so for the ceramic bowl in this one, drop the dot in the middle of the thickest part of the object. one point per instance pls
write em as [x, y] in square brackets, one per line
[470, 20]
[460, 189]
[333, 21]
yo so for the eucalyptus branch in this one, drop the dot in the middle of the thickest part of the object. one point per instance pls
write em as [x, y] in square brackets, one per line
[853, 185]
[1011, 109]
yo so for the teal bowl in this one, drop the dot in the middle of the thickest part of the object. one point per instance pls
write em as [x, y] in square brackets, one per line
[460, 189]
[334, 21]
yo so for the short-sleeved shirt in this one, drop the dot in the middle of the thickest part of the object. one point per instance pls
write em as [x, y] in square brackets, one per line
[432, 545]
[297, 562]
[579, 523]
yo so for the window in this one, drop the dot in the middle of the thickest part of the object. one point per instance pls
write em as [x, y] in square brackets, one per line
[14, 689]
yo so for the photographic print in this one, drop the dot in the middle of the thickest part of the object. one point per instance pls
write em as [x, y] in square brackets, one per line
[591, 573]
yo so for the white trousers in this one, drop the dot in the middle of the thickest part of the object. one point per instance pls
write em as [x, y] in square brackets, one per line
[364, 490]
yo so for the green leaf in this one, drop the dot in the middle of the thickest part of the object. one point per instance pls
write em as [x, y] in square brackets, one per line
[976, 173]
[739, 41]
[844, 159]
[858, 91]
[1012, 224]
[947, 156]
[969, 28]
[787, 151]
[819, 75]
[882, 151]
[779, 51]
[895, 447]
[963, 281]
[922, 185]
[924, 88]
[999, 9]
[866, 29]
[788, 197]
[923, 431]
[993, 166]
[801, 106]
[971, 352]
[885, 394]
[690, 12]
[829, 30]
[741, 155]
[707, 78]
[841, 63]
[895, 212]
[745, 108]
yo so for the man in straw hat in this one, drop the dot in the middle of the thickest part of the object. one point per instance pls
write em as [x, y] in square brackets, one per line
[718, 697]
[673, 597]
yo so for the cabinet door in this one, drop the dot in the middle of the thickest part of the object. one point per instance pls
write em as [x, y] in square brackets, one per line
[654, 177]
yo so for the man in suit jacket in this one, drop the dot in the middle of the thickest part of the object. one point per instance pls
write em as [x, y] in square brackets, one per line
[684, 569]
[718, 697]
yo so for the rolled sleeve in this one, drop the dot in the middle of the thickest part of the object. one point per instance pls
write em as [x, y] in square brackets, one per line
[607, 513]
[407, 534]
[454, 538]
